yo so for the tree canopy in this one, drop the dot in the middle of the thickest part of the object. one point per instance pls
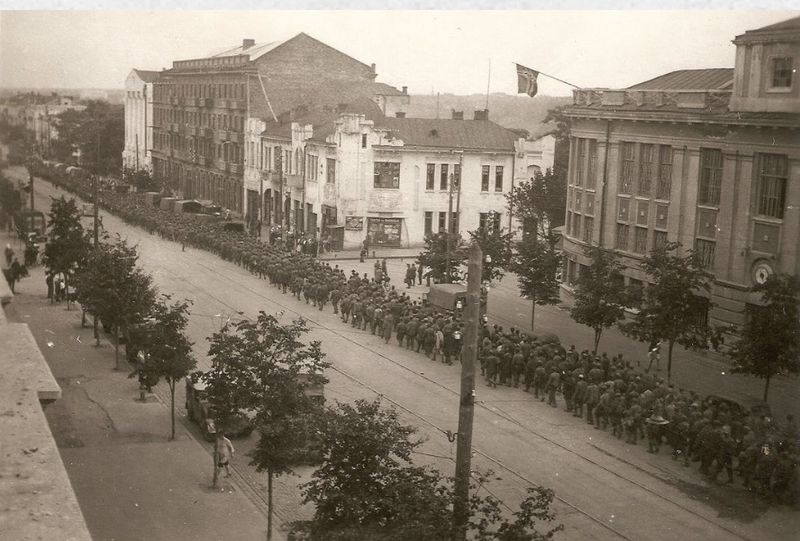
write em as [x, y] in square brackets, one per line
[68, 245]
[98, 132]
[497, 244]
[535, 264]
[434, 256]
[540, 204]
[770, 340]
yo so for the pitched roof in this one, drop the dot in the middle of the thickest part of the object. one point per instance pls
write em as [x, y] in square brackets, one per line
[449, 133]
[322, 119]
[255, 51]
[147, 76]
[695, 79]
[788, 30]
[789, 24]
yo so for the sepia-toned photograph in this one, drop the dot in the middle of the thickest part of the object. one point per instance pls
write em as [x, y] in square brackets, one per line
[399, 274]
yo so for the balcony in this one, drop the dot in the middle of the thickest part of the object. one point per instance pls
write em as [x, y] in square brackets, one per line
[236, 136]
[235, 168]
[206, 102]
[207, 132]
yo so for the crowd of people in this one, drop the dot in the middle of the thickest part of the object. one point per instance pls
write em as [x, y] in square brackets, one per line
[608, 393]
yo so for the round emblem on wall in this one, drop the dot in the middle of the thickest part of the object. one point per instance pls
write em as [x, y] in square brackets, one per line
[761, 272]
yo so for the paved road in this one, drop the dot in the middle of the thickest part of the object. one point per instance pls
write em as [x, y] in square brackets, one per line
[605, 489]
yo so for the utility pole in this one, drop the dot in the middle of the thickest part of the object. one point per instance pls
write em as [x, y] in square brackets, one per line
[466, 407]
[96, 245]
[450, 228]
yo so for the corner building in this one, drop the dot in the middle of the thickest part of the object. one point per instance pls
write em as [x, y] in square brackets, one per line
[709, 158]
[201, 107]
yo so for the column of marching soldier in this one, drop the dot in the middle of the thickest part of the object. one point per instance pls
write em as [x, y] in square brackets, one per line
[609, 393]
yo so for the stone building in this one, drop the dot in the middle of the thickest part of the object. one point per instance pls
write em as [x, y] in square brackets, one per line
[709, 158]
[201, 107]
[138, 119]
[354, 173]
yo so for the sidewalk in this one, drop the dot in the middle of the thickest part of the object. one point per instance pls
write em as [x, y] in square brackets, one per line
[374, 253]
[130, 480]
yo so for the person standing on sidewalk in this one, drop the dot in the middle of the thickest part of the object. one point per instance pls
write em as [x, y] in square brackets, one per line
[225, 452]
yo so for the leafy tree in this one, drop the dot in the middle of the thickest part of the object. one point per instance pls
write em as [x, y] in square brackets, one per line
[434, 256]
[368, 488]
[672, 308]
[10, 198]
[262, 366]
[600, 295]
[536, 264]
[770, 339]
[498, 246]
[68, 245]
[540, 204]
[98, 132]
[142, 179]
[115, 289]
[168, 351]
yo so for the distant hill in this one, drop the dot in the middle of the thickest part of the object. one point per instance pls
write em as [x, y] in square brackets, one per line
[510, 111]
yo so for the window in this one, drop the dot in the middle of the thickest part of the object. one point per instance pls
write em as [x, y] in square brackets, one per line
[782, 72]
[568, 228]
[664, 172]
[640, 240]
[710, 176]
[576, 225]
[443, 176]
[591, 180]
[485, 178]
[496, 217]
[456, 176]
[430, 179]
[428, 223]
[581, 144]
[330, 170]
[312, 167]
[622, 237]
[659, 239]
[498, 178]
[628, 162]
[646, 169]
[387, 175]
[705, 251]
[482, 220]
[442, 222]
[453, 222]
[588, 229]
[363, 140]
[773, 172]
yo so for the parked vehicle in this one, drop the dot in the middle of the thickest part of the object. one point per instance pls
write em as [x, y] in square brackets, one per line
[199, 410]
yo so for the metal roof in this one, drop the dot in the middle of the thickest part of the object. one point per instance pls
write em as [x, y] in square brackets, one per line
[695, 79]
[449, 133]
[256, 51]
[147, 76]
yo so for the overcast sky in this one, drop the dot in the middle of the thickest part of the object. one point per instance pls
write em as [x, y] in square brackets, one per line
[429, 51]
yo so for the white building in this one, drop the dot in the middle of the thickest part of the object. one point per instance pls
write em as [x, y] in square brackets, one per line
[355, 173]
[139, 119]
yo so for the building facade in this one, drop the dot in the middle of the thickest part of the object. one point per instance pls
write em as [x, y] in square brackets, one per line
[201, 108]
[38, 114]
[138, 102]
[356, 174]
[707, 158]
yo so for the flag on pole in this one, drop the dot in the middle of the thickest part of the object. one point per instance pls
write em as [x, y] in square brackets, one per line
[527, 81]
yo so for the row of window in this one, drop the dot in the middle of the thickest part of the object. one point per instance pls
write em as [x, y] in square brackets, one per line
[198, 90]
[646, 168]
[197, 147]
[446, 172]
[491, 220]
[164, 115]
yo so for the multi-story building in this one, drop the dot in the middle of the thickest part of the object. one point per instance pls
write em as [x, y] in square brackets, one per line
[201, 107]
[354, 173]
[138, 119]
[709, 158]
[38, 114]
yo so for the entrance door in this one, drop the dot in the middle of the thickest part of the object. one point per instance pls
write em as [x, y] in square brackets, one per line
[384, 231]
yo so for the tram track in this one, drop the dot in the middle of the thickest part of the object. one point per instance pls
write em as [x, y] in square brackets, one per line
[341, 335]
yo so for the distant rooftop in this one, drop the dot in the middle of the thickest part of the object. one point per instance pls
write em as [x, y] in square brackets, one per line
[449, 133]
[256, 50]
[694, 79]
[147, 76]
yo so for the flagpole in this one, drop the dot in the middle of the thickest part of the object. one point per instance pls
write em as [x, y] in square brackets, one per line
[546, 75]
[488, 82]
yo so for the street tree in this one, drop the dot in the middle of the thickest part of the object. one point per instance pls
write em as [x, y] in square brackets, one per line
[770, 339]
[167, 353]
[539, 204]
[10, 200]
[536, 264]
[142, 179]
[444, 255]
[97, 132]
[368, 488]
[115, 289]
[600, 293]
[263, 366]
[673, 307]
[497, 245]
[68, 245]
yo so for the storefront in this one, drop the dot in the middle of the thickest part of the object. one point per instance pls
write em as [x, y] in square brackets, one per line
[384, 231]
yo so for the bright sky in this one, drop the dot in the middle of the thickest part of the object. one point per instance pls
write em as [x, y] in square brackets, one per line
[429, 51]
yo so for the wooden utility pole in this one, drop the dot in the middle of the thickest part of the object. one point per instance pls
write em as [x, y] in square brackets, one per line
[449, 226]
[96, 227]
[466, 406]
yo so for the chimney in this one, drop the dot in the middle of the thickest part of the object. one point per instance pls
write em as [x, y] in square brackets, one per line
[372, 66]
[405, 90]
[247, 43]
[458, 115]
[481, 114]
[341, 108]
[400, 114]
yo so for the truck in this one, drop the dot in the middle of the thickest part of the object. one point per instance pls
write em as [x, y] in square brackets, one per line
[452, 297]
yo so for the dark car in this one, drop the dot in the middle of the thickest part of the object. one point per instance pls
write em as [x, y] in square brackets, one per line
[199, 411]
